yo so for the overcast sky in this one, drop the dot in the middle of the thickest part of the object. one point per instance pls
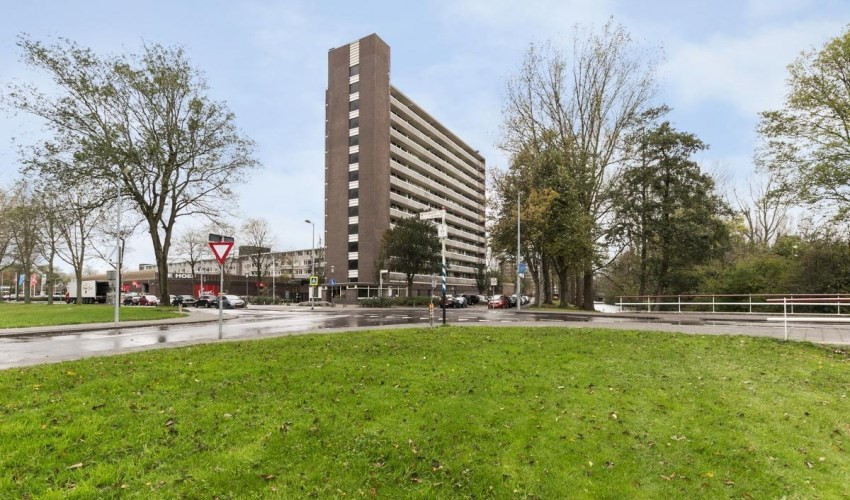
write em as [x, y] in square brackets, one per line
[724, 61]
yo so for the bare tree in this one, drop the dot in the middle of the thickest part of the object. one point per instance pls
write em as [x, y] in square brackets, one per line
[191, 245]
[257, 236]
[5, 231]
[82, 215]
[587, 101]
[764, 209]
[143, 122]
[23, 218]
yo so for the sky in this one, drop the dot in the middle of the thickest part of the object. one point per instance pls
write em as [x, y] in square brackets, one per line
[723, 62]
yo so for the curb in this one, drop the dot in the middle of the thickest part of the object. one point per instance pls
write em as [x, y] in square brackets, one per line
[87, 327]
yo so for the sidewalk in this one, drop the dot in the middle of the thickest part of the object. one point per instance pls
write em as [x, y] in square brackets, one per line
[194, 317]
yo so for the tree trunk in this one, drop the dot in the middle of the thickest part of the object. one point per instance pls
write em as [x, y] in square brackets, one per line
[78, 273]
[50, 277]
[563, 282]
[575, 294]
[547, 281]
[587, 304]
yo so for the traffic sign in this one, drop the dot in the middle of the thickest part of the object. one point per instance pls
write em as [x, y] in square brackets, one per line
[442, 231]
[221, 249]
[433, 214]
[494, 281]
[332, 282]
[314, 281]
[523, 267]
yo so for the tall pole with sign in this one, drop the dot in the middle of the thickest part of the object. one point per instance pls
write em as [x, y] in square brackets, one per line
[220, 246]
[518, 266]
[442, 233]
[312, 263]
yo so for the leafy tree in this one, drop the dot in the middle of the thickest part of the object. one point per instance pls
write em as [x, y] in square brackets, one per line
[411, 247]
[481, 282]
[668, 209]
[807, 142]
[587, 100]
[144, 122]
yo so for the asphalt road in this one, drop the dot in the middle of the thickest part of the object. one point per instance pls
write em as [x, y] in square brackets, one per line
[36, 348]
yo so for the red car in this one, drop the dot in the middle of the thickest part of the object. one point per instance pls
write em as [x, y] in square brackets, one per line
[498, 302]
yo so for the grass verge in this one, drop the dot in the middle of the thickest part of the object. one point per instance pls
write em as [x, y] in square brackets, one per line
[24, 315]
[469, 412]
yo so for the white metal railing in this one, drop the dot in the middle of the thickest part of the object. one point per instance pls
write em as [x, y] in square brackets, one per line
[768, 303]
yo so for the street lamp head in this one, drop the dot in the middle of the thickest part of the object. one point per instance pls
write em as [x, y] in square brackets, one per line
[308, 221]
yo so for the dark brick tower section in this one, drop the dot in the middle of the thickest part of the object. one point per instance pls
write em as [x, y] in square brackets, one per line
[336, 165]
[374, 153]
[374, 158]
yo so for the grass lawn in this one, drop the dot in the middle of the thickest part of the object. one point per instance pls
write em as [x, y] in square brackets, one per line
[466, 412]
[23, 315]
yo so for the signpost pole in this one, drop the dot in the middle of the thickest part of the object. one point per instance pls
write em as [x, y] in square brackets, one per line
[220, 301]
[443, 242]
[518, 268]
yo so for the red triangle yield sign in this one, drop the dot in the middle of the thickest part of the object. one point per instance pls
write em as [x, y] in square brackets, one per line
[221, 249]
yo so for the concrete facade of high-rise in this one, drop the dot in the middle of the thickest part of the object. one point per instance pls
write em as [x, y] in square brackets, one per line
[386, 159]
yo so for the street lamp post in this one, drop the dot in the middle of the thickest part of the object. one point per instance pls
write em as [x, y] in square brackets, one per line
[312, 260]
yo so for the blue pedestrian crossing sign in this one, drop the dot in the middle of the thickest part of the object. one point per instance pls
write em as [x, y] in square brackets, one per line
[332, 282]
[523, 267]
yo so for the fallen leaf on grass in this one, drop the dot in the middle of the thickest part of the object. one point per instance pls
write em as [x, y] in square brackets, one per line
[809, 464]
[269, 477]
[728, 482]
[169, 422]
[75, 466]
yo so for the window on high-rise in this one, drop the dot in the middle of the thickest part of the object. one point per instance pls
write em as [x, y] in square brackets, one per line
[352, 194]
[352, 246]
[353, 105]
[352, 229]
[353, 158]
[354, 70]
[354, 122]
[353, 175]
[353, 88]
[353, 140]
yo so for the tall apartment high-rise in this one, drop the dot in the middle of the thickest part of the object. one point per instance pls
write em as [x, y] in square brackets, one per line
[387, 159]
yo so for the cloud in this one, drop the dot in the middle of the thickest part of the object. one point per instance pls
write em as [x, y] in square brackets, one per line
[748, 71]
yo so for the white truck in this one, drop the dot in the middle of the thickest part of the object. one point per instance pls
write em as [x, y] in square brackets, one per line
[93, 292]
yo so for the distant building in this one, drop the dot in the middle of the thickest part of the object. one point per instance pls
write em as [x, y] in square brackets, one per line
[291, 271]
[386, 159]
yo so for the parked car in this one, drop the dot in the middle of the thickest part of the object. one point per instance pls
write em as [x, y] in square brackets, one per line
[498, 302]
[131, 299]
[512, 301]
[448, 303]
[229, 302]
[148, 300]
[471, 299]
[204, 300]
[186, 300]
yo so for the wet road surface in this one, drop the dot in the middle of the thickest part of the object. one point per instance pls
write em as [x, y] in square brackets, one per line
[22, 350]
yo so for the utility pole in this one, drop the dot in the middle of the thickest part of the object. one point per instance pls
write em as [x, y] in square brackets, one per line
[518, 273]
[117, 295]
[312, 260]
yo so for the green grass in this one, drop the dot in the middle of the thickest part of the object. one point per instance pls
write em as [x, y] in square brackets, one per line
[23, 315]
[450, 412]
